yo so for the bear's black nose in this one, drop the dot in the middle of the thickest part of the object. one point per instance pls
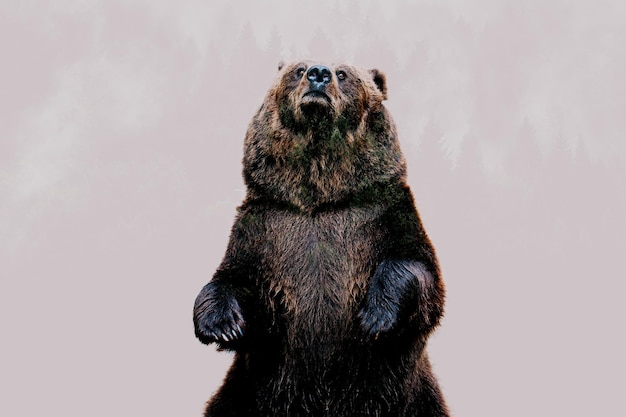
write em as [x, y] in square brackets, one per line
[319, 76]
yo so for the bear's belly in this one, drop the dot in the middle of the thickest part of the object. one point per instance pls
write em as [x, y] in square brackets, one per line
[318, 268]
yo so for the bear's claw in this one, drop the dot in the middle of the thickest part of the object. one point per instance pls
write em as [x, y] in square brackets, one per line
[217, 316]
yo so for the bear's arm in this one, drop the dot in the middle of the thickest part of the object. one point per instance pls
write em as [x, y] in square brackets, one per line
[406, 292]
[217, 314]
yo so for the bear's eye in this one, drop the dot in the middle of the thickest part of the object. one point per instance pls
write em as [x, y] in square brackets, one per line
[341, 75]
[300, 72]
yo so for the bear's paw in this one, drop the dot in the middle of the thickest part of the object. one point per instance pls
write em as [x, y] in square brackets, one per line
[217, 316]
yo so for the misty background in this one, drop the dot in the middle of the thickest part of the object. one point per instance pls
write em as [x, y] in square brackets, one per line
[121, 133]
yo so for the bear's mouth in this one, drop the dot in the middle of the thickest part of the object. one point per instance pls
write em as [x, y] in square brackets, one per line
[316, 96]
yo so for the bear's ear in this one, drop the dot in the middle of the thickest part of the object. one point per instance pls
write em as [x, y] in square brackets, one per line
[281, 64]
[380, 80]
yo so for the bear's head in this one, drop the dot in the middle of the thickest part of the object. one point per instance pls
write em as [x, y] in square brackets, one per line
[322, 136]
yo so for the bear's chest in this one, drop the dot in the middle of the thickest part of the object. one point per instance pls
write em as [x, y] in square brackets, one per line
[317, 267]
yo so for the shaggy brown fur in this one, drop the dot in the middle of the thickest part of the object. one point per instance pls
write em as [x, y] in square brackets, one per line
[330, 286]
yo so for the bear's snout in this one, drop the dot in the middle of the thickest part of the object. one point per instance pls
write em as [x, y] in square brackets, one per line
[318, 92]
[319, 77]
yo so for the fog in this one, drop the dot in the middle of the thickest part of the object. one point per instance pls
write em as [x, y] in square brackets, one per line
[121, 134]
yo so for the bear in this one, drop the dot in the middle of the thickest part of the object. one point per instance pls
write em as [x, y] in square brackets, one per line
[330, 286]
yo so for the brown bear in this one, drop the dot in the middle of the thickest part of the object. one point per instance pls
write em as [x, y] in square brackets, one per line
[329, 287]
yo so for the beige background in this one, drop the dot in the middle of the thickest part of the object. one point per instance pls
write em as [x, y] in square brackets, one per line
[121, 128]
